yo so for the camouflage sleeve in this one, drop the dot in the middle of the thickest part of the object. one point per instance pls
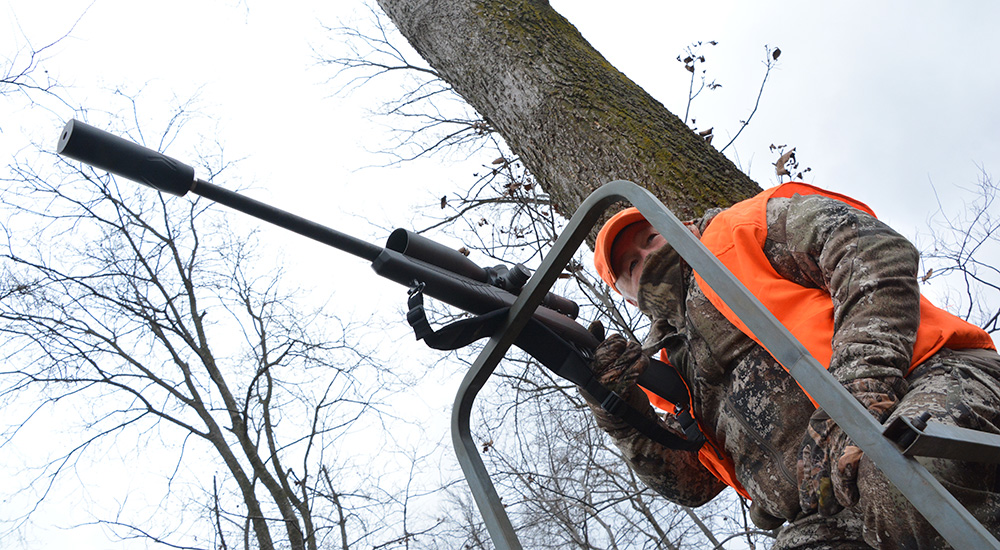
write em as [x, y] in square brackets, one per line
[677, 475]
[869, 270]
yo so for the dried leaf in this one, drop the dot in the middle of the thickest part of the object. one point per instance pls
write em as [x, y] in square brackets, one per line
[690, 68]
[704, 133]
[927, 275]
[444, 201]
[500, 160]
[780, 166]
[776, 53]
[464, 251]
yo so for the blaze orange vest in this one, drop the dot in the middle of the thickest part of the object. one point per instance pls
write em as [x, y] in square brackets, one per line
[736, 237]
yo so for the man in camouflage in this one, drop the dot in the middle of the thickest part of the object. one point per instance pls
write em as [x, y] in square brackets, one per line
[800, 470]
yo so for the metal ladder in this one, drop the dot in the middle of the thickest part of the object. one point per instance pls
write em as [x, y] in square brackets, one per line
[883, 445]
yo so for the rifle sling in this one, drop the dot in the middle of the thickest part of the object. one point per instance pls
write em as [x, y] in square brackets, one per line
[564, 360]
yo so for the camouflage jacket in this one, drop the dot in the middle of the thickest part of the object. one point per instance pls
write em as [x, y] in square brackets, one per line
[744, 400]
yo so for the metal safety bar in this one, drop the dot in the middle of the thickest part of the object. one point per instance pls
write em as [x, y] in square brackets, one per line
[927, 495]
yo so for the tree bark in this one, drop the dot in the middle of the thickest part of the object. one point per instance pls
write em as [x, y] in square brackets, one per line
[574, 120]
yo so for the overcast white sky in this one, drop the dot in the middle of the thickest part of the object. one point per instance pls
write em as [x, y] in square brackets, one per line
[881, 99]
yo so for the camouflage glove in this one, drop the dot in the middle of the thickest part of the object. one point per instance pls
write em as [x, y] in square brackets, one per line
[617, 365]
[827, 467]
[828, 461]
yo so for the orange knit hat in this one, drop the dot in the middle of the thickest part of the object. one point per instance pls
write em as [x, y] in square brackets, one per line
[606, 238]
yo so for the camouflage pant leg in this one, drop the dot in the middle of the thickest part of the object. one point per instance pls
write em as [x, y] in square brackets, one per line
[844, 531]
[961, 388]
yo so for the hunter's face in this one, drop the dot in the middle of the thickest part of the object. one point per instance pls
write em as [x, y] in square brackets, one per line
[628, 256]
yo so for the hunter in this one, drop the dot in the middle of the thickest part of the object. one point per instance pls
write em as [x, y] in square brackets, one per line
[845, 284]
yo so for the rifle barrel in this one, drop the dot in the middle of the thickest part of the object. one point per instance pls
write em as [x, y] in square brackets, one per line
[287, 220]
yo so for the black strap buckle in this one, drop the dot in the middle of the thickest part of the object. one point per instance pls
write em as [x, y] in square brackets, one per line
[613, 403]
[690, 426]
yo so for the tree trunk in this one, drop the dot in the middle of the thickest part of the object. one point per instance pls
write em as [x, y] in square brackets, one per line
[575, 121]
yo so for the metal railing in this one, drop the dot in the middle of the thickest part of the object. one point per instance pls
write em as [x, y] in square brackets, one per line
[927, 495]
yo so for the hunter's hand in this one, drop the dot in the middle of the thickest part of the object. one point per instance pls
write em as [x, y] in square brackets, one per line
[617, 365]
[827, 467]
[828, 461]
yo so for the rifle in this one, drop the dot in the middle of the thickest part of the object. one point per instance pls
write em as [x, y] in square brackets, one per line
[552, 336]
[562, 345]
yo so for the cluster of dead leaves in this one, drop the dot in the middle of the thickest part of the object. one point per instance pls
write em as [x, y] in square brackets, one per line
[787, 165]
[692, 57]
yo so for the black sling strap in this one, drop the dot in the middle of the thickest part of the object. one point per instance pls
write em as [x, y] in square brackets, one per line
[565, 361]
